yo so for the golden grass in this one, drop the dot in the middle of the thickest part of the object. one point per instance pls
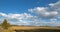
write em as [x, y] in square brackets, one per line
[30, 28]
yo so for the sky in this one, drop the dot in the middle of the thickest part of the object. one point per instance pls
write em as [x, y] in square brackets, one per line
[31, 12]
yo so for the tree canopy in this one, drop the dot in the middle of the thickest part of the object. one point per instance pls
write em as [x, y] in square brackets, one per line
[5, 24]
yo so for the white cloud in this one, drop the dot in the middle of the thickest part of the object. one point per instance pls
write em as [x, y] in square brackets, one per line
[19, 19]
[52, 12]
[27, 19]
[3, 14]
[55, 5]
[53, 19]
[45, 13]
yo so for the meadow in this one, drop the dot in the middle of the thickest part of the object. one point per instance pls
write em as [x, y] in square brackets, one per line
[34, 29]
[30, 29]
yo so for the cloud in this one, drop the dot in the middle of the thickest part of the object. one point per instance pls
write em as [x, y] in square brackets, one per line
[3, 14]
[44, 12]
[55, 5]
[51, 13]
[19, 19]
[24, 19]
[43, 16]
[27, 19]
[47, 12]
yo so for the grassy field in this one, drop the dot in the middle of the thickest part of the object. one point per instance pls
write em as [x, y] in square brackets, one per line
[38, 30]
[30, 29]
[34, 29]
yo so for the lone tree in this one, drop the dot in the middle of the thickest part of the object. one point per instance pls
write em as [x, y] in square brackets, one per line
[5, 24]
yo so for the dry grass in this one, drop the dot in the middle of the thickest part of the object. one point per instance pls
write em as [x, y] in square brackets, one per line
[30, 28]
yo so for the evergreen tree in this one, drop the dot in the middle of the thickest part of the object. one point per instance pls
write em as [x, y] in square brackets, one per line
[5, 24]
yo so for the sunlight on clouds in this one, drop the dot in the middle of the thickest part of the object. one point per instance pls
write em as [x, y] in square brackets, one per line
[27, 19]
[42, 15]
[52, 13]
[45, 12]
[53, 19]
[3, 14]
[20, 19]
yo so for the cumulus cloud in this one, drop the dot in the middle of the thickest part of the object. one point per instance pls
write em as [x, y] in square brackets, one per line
[26, 19]
[3, 14]
[19, 19]
[52, 12]
[44, 16]
[44, 12]
[47, 12]
[55, 5]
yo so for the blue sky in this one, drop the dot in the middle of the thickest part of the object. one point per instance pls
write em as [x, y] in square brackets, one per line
[21, 6]
[31, 12]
